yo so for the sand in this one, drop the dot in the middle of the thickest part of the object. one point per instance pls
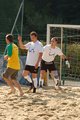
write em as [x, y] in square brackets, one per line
[46, 104]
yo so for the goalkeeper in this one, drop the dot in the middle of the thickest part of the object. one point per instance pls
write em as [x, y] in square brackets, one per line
[49, 53]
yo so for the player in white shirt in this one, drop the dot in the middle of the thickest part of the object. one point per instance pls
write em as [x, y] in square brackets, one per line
[47, 63]
[34, 55]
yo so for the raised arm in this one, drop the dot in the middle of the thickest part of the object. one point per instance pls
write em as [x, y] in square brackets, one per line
[22, 46]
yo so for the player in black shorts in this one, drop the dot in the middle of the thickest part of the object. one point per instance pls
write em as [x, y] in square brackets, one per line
[34, 56]
[48, 66]
[49, 53]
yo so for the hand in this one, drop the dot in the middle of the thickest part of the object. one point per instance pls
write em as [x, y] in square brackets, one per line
[36, 66]
[5, 57]
[67, 63]
[19, 38]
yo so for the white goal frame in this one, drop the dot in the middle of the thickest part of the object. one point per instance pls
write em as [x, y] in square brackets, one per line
[62, 26]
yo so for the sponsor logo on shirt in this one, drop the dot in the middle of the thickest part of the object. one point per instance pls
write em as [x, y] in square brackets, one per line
[31, 50]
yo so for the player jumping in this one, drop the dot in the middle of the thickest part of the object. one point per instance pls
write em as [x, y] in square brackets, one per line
[49, 53]
[35, 49]
[13, 65]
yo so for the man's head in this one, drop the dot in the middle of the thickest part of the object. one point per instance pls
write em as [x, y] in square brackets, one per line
[9, 38]
[54, 41]
[33, 36]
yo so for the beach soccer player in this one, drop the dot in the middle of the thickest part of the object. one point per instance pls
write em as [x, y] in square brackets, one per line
[13, 65]
[34, 55]
[50, 51]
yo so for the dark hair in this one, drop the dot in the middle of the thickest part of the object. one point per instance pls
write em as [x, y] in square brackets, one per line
[10, 37]
[34, 33]
[54, 38]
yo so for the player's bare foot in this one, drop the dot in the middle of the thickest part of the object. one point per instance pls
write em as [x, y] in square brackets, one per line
[59, 89]
[21, 94]
[11, 92]
[29, 91]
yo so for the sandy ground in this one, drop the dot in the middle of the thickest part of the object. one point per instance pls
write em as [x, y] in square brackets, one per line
[46, 104]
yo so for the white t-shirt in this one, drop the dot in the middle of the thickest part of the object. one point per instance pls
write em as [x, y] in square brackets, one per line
[49, 53]
[33, 52]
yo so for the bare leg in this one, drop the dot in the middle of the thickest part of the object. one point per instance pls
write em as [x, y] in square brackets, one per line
[9, 82]
[45, 79]
[17, 85]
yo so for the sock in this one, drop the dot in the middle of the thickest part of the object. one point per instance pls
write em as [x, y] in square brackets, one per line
[35, 82]
[28, 78]
[41, 82]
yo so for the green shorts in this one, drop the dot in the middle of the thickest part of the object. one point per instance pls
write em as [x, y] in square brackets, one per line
[10, 74]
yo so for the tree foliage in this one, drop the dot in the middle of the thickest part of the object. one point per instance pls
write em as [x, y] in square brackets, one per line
[38, 13]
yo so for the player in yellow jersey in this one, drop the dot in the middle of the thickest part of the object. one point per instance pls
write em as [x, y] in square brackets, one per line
[13, 65]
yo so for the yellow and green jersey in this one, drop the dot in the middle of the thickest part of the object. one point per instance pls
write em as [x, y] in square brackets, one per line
[13, 56]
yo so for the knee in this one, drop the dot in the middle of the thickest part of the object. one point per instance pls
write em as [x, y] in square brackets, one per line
[56, 75]
[43, 75]
[25, 73]
[4, 77]
[34, 76]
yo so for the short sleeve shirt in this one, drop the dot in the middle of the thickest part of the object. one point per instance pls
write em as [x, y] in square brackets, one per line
[13, 56]
[49, 53]
[33, 52]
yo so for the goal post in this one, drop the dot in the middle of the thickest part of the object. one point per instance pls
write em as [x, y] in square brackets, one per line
[69, 42]
[20, 11]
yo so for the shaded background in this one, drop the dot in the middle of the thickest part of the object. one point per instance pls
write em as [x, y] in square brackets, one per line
[38, 13]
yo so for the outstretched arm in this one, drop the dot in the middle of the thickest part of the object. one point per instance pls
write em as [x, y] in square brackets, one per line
[63, 57]
[66, 60]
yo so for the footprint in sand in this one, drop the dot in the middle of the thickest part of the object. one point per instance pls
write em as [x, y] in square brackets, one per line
[45, 116]
[73, 104]
[39, 102]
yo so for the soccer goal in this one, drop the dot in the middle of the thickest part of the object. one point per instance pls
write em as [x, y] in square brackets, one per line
[69, 42]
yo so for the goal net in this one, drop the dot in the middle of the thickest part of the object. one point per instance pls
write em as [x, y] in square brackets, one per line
[69, 42]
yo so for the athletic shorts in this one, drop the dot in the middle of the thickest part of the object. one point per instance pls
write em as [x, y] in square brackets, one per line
[10, 73]
[31, 69]
[48, 66]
